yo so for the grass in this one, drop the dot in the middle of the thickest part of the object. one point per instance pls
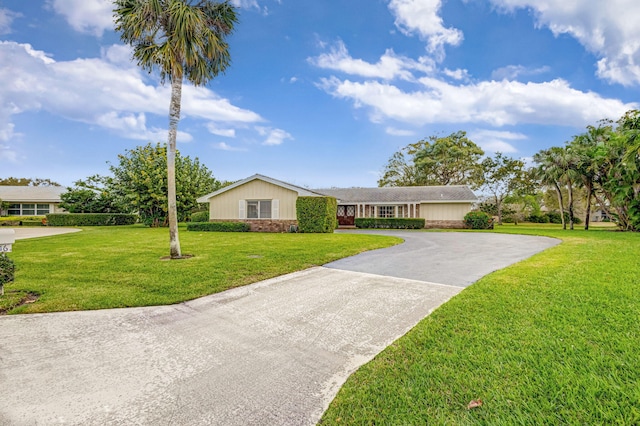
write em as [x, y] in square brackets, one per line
[551, 340]
[113, 267]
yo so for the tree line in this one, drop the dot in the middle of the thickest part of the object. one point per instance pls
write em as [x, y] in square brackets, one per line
[599, 168]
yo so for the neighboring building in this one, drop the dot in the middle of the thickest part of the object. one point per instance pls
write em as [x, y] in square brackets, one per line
[270, 205]
[31, 200]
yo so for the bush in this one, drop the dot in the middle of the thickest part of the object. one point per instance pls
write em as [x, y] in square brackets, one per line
[554, 217]
[91, 219]
[478, 220]
[7, 270]
[537, 218]
[219, 226]
[389, 223]
[317, 214]
[31, 223]
[200, 216]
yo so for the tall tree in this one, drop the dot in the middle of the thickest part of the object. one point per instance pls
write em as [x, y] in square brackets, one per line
[502, 177]
[182, 39]
[585, 147]
[448, 160]
[550, 172]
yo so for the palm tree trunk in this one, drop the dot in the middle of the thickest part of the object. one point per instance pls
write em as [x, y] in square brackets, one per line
[560, 204]
[570, 188]
[174, 117]
[587, 216]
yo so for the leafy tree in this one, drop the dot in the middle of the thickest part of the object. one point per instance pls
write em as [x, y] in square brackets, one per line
[140, 181]
[14, 181]
[93, 195]
[449, 160]
[502, 177]
[182, 39]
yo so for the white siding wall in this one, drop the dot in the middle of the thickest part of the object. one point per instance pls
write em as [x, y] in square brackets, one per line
[444, 211]
[226, 205]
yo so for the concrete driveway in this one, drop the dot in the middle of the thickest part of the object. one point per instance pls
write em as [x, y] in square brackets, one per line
[271, 353]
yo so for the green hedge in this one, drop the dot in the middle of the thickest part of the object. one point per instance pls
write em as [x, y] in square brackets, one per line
[389, 223]
[219, 226]
[31, 223]
[91, 219]
[317, 214]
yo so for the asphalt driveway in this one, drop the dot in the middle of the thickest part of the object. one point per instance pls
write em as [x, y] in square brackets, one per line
[272, 353]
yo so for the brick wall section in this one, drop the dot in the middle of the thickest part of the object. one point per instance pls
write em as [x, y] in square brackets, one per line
[444, 224]
[264, 225]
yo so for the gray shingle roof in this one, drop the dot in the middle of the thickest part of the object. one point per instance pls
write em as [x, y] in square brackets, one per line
[36, 194]
[404, 194]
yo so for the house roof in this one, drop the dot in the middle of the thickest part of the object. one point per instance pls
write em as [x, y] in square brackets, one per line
[302, 192]
[35, 194]
[402, 194]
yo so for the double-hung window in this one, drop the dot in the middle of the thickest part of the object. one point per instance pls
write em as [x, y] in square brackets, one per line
[28, 209]
[259, 209]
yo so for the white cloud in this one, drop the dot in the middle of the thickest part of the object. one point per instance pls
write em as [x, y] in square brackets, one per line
[228, 133]
[6, 19]
[399, 132]
[496, 141]
[87, 16]
[609, 29]
[8, 154]
[274, 136]
[226, 147]
[389, 67]
[494, 103]
[105, 92]
[458, 74]
[422, 17]
[512, 72]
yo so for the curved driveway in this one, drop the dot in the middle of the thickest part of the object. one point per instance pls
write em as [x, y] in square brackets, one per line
[271, 353]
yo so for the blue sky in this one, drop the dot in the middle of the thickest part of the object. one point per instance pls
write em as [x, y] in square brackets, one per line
[319, 93]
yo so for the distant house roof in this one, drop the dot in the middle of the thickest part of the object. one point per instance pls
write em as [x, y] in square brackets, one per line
[302, 192]
[35, 194]
[402, 194]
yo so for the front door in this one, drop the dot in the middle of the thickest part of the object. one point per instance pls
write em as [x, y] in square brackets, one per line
[346, 215]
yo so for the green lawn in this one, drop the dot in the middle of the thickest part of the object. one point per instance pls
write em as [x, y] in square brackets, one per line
[552, 340]
[111, 267]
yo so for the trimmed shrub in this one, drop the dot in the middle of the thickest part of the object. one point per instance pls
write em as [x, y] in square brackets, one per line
[478, 220]
[218, 226]
[91, 219]
[389, 223]
[31, 223]
[317, 214]
[7, 271]
[200, 216]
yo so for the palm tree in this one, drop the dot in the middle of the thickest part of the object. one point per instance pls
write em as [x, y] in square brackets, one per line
[550, 172]
[182, 39]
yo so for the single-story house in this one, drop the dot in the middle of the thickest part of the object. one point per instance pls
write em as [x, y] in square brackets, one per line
[31, 200]
[270, 205]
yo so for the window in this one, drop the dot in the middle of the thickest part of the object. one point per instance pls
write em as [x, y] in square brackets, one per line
[259, 209]
[386, 211]
[14, 210]
[42, 209]
[28, 209]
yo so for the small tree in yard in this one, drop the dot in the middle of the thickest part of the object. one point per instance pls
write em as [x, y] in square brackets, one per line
[502, 176]
[7, 270]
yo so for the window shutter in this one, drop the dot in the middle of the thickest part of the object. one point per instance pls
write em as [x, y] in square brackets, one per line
[241, 209]
[275, 209]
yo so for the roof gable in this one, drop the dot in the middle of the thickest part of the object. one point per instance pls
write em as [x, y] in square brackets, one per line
[302, 192]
